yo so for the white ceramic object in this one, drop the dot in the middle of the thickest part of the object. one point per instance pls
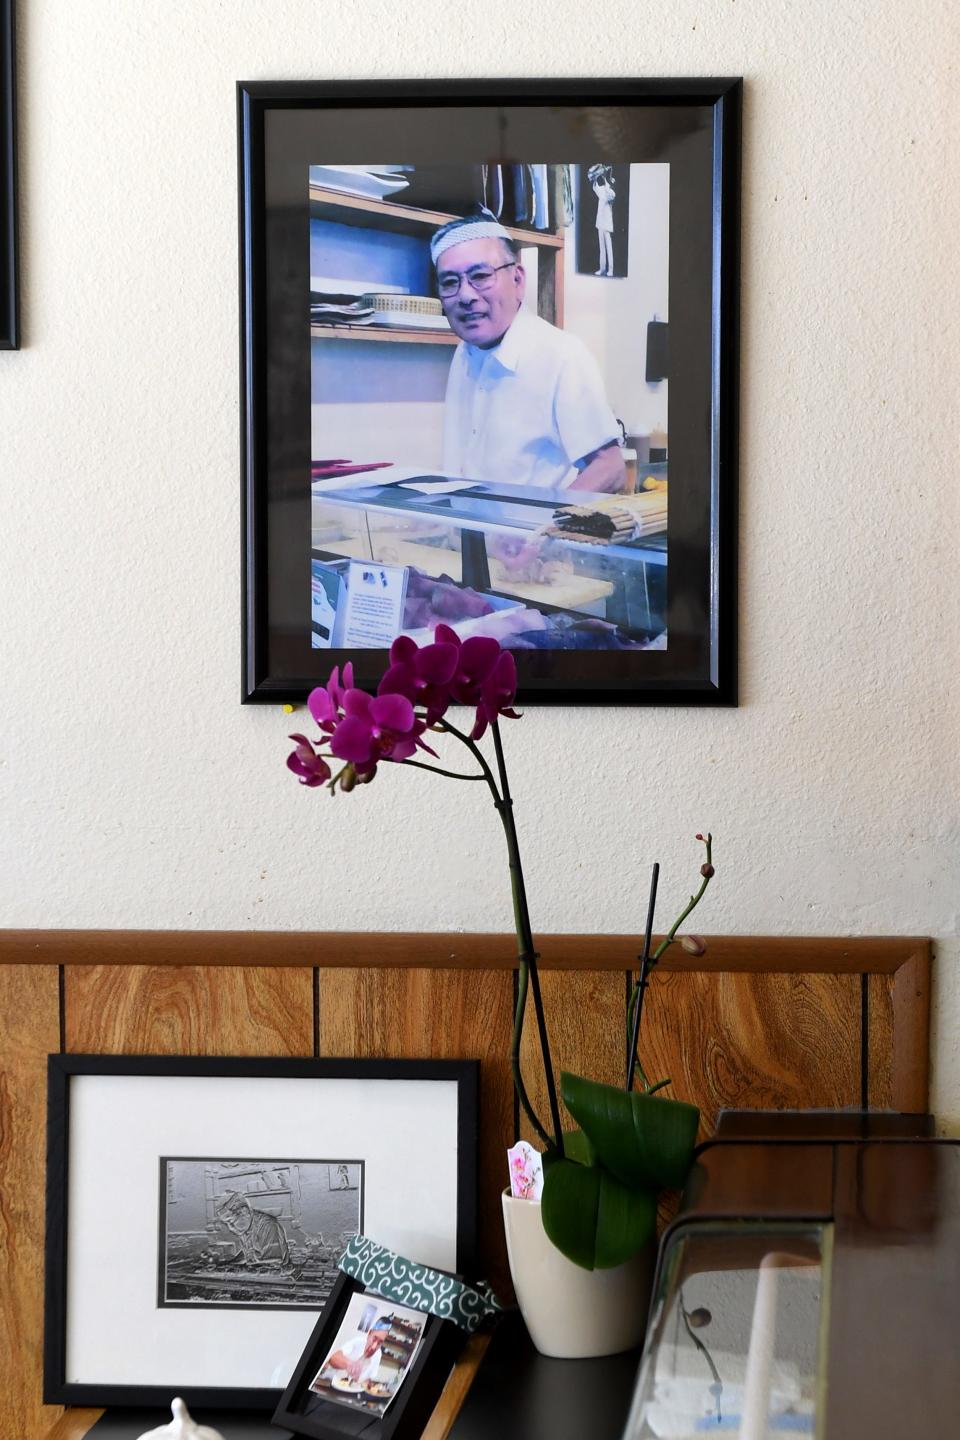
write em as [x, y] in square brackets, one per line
[182, 1427]
[572, 1313]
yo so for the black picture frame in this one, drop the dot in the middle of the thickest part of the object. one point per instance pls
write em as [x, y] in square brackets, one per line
[311, 1415]
[691, 124]
[9, 239]
[80, 1240]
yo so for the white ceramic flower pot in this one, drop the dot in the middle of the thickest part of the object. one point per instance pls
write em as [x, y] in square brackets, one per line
[572, 1313]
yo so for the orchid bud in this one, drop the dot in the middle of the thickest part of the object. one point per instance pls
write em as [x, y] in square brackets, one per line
[348, 778]
[693, 944]
[707, 870]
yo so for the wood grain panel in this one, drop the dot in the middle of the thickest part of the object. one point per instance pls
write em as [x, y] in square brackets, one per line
[910, 1066]
[455, 1391]
[586, 1014]
[188, 1010]
[447, 1015]
[447, 950]
[880, 1024]
[74, 1424]
[754, 1041]
[29, 1031]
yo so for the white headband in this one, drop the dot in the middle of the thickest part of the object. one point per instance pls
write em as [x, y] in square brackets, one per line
[469, 230]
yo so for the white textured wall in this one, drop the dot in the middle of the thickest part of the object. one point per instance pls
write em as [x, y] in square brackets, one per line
[135, 789]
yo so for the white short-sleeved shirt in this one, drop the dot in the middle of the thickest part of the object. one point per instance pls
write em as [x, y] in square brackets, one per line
[353, 1349]
[527, 410]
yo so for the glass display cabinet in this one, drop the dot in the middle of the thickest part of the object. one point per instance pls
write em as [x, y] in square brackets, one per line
[496, 544]
[811, 1286]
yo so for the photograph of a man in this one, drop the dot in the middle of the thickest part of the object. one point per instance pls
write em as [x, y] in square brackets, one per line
[371, 1355]
[359, 1357]
[525, 401]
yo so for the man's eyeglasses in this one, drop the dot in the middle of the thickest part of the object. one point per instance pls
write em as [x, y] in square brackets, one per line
[480, 277]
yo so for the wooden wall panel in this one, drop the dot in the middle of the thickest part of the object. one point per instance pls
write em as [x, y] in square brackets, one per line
[898, 1032]
[880, 1021]
[768, 1022]
[753, 1041]
[29, 1031]
[446, 1015]
[586, 1022]
[188, 1010]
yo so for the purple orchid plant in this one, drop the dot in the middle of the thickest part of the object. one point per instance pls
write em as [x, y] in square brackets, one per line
[600, 1182]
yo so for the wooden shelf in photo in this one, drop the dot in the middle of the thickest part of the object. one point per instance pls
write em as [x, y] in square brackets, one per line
[395, 334]
[404, 219]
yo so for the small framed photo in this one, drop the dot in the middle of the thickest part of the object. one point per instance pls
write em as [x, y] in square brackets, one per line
[493, 382]
[371, 1366]
[197, 1209]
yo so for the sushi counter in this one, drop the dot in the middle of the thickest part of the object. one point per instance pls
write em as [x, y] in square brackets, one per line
[536, 568]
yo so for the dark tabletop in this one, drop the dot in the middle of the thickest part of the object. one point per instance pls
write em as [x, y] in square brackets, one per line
[118, 1424]
[520, 1393]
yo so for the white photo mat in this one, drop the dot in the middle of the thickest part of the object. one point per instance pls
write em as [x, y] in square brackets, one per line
[120, 1125]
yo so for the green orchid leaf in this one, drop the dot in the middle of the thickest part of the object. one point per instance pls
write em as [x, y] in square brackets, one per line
[593, 1219]
[577, 1147]
[644, 1140]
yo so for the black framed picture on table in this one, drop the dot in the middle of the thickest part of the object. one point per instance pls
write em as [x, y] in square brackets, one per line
[490, 380]
[197, 1210]
[372, 1366]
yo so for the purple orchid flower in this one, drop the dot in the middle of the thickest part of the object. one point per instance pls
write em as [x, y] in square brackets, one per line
[326, 702]
[422, 674]
[306, 763]
[385, 728]
[476, 657]
[497, 694]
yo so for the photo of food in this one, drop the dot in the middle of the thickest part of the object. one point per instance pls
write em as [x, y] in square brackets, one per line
[371, 1354]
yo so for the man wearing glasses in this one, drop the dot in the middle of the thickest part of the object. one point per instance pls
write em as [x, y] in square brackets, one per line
[525, 402]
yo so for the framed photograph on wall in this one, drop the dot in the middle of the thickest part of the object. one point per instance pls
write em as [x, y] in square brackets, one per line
[197, 1208]
[489, 378]
[9, 279]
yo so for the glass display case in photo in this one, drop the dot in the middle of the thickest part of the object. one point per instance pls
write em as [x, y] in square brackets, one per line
[537, 569]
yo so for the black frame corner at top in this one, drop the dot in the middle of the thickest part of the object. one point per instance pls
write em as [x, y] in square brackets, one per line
[9, 227]
[57, 1388]
[704, 671]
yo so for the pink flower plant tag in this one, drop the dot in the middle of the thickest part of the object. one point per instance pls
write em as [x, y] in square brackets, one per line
[526, 1172]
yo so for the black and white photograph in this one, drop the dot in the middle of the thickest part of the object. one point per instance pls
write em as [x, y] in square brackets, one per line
[603, 220]
[197, 1209]
[371, 1354]
[264, 1233]
[457, 348]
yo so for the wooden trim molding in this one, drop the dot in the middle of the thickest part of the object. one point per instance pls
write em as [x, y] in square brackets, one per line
[454, 950]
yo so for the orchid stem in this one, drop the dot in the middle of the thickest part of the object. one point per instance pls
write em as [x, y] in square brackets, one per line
[452, 774]
[635, 1008]
[525, 948]
[515, 1057]
[671, 934]
[527, 968]
[632, 1058]
[477, 753]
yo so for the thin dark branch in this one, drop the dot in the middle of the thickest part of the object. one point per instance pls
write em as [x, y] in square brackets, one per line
[452, 774]
[632, 1059]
